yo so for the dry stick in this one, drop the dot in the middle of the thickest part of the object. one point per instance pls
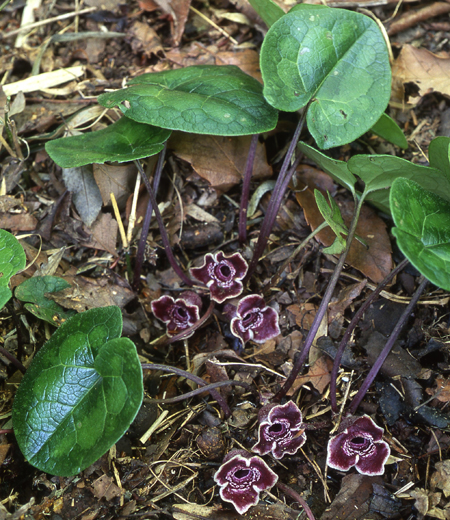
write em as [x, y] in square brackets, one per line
[246, 190]
[201, 390]
[12, 359]
[412, 18]
[147, 220]
[165, 239]
[387, 348]
[295, 496]
[350, 329]
[164, 368]
[275, 199]
[298, 364]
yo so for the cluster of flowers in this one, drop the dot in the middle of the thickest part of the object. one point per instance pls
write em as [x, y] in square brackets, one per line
[242, 476]
[252, 319]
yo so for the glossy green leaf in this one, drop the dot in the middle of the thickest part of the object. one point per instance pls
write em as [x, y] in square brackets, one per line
[338, 170]
[79, 395]
[332, 215]
[5, 295]
[124, 140]
[439, 155]
[335, 59]
[268, 10]
[423, 229]
[203, 99]
[388, 129]
[34, 290]
[12, 257]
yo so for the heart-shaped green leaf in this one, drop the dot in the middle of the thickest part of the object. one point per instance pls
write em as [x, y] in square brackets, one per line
[203, 99]
[34, 289]
[333, 58]
[388, 129]
[79, 395]
[124, 140]
[423, 229]
[439, 153]
[268, 10]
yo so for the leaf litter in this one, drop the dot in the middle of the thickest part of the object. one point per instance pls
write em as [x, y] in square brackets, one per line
[150, 477]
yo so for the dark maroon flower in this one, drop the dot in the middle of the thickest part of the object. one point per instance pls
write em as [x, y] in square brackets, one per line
[241, 479]
[222, 275]
[254, 320]
[359, 445]
[179, 314]
[280, 430]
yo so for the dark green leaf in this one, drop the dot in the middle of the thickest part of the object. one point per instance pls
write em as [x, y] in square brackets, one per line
[423, 229]
[204, 99]
[388, 129]
[269, 11]
[79, 395]
[34, 289]
[12, 257]
[125, 140]
[5, 295]
[439, 153]
[333, 58]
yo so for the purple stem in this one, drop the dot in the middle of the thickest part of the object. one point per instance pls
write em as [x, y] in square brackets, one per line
[201, 390]
[165, 239]
[351, 327]
[295, 496]
[12, 359]
[147, 220]
[276, 199]
[246, 190]
[164, 368]
[387, 348]
[299, 362]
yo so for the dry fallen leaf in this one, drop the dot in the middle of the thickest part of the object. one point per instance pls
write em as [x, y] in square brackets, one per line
[374, 262]
[115, 178]
[441, 477]
[104, 234]
[431, 73]
[219, 160]
[319, 375]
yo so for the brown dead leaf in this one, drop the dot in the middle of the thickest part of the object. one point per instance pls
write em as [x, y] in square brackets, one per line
[374, 262]
[88, 293]
[18, 221]
[431, 73]
[105, 487]
[442, 390]
[441, 477]
[277, 511]
[338, 305]
[104, 234]
[178, 10]
[425, 502]
[145, 40]
[353, 500]
[318, 375]
[115, 178]
[219, 160]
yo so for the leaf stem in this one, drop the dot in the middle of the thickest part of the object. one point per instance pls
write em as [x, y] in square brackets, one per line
[301, 358]
[165, 239]
[298, 498]
[164, 368]
[387, 348]
[147, 220]
[246, 190]
[355, 320]
[276, 199]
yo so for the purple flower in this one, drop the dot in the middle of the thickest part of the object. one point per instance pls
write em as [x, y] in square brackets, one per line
[241, 479]
[179, 314]
[254, 320]
[280, 430]
[222, 275]
[359, 445]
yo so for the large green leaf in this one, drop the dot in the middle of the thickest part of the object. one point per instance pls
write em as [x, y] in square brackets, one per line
[439, 154]
[388, 129]
[203, 99]
[124, 140]
[79, 395]
[333, 58]
[423, 229]
[268, 10]
[34, 290]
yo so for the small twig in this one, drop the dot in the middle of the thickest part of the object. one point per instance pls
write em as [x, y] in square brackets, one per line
[46, 22]
[412, 18]
[298, 498]
[222, 31]
[12, 359]
[132, 218]
[387, 349]
[164, 368]
[119, 220]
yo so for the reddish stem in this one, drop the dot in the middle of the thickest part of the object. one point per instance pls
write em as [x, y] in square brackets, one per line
[246, 190]
[298, 498]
